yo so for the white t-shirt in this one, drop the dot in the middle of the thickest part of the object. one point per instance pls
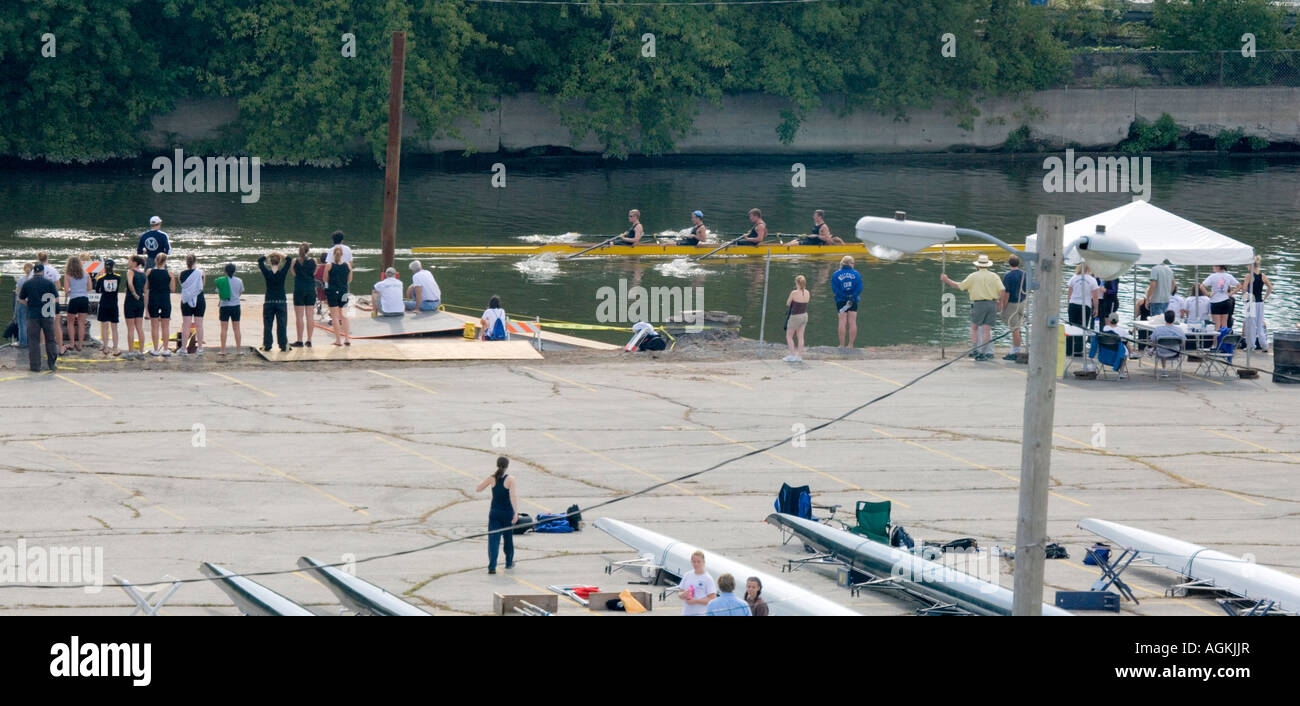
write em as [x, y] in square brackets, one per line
[429, 291]
[1219, 284]
[703, 585]
[1175, 303]
[51, 273]
[1198, 309]
[490, 318]
[390, 295]
[1081, 288]
[329, 253]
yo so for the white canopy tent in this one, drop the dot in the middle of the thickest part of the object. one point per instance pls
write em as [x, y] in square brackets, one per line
[1161, 235]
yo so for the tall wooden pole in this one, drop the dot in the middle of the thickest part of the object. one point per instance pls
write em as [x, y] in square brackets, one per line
[1040, 408]
[393, 160]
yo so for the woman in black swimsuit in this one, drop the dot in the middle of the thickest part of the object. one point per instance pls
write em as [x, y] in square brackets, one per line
[158, 288]
[304, 294]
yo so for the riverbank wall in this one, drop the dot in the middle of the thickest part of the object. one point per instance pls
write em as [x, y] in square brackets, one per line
[746, 124]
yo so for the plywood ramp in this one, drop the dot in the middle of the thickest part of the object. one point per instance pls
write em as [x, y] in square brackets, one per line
[425, 349]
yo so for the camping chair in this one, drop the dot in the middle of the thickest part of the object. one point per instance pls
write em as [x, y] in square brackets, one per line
[797, 501]
[1220, 357]
[873, 521]
[1167, 343]
[1109, 350]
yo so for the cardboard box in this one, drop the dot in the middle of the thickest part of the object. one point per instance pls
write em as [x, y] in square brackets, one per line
[505, 604]
[597, 600]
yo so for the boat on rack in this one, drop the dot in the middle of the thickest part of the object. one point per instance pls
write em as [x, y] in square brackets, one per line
[777, 249]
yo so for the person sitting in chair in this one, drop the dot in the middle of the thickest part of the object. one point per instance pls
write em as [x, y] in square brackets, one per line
[1163, 354]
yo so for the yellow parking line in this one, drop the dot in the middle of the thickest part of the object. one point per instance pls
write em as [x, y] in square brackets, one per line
[241, 382]
[716, 378]
[14, 377]
[810, 469]
[863, 372]
[1225, 435]
[1189, 481]
[309, 577]
[972, 464]
[84, 387]
[404, 382]
[449, 467]
[634, 469]
[281, 473]
[109, 481]
[557, 377]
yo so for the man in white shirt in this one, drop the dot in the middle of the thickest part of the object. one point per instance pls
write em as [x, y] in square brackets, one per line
[697, 588]
[337, 238]
[424, 292]
[387, 295]
[51, 272]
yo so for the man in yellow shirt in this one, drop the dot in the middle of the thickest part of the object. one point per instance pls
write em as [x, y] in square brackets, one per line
[985, 289]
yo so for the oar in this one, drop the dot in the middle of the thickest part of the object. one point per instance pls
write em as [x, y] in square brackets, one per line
[597, 245]
[719, 249]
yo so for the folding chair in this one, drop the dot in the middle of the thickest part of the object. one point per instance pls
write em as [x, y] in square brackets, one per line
[1080, 351]
[797, 501]
[1109, 350]
[873, 521]
[1165, 344]
[1219, 358]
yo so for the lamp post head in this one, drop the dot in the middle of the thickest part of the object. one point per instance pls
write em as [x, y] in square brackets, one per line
[892, 238]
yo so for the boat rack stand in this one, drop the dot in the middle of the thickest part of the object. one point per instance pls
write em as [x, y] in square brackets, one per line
[526, 608]
[1247, 607]
[792, 565]
[142, 602]
[1110, 571]
[644, 563]
[930, 607]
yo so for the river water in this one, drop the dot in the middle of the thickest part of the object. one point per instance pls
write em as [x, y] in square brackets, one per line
[103, 210]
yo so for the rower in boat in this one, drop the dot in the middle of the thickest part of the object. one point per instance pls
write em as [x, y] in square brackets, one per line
[821, 233]
[634, 234]
[759, 230]
[699, 235]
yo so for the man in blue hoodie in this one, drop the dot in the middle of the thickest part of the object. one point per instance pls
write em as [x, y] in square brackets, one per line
[846, 285]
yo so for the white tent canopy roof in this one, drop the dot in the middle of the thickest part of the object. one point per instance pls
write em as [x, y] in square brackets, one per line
[1160, 235]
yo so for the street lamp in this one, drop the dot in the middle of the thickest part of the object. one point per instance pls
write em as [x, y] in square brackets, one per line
[1108, 254]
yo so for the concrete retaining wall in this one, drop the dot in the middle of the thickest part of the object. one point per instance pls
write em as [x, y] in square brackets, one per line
[746, 124]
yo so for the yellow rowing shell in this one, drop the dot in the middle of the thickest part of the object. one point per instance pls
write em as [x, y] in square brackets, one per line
[790, 249]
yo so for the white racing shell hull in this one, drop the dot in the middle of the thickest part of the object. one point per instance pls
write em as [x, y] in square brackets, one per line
[783, 597]
[250, 597]
[932, 580]
[1224, 571]
[357, 594]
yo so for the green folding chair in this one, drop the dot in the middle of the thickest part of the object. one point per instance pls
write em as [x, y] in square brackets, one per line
[873, 521]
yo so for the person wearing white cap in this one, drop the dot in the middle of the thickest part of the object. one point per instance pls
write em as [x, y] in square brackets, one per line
[985, 289]
[152, 242]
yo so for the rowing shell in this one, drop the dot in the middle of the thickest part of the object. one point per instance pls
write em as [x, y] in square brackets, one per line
[777, 250]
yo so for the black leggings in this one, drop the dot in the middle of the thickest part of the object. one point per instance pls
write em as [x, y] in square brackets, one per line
[1080, 316]
[277, 312]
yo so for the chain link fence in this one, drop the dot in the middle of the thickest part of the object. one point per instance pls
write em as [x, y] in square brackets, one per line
[1272, 67]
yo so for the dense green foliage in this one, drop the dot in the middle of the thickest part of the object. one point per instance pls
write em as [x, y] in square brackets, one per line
[120, 63]
[1147, 136]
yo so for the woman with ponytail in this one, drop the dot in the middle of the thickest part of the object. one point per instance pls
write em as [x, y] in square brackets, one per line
[503, 514]
[1259, 287]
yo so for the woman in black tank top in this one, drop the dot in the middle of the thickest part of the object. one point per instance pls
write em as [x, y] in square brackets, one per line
[1260, 288]
[503, 514]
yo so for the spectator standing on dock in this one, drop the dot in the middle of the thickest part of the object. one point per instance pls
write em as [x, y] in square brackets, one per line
[152, 242]
[1259, 287]
[229, 289]
[52, 274]
[76, 284]
[158, 287]
[424, 291]
[1012, 303]
[502, 515]
[1083, 291]
[1109, 301]
[1220, 287]
[846, 286]
[753, 596]
[133, 306]
[797, 321]
[20, 312]
[304, 294]
[108, 285]
[275, 309]
[338, 274]
[726, 604]
[337, 242]
[1160, 288]
[193, 306]
[697, 588]
[493, 326]
[985, 289]
[41, 298]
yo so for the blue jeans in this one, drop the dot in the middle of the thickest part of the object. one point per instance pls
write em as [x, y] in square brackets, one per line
[20, 318]
[1157, 309]
[500, 521]
[426, 305]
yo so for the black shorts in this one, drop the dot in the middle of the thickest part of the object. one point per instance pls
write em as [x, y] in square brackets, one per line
[1224, 307]
[160, 308]
[79, 305]
[199, 309]
[839, 304]
[808, 240]
[133, 308]
[228, 313]
[336, 297]
[304, 298]
[107, 312]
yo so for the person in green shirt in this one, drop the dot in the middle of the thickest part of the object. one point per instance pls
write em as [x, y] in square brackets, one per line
[985, 288]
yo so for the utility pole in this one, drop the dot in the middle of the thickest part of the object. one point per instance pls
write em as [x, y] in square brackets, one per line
[393, 160]
[1040, 407]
